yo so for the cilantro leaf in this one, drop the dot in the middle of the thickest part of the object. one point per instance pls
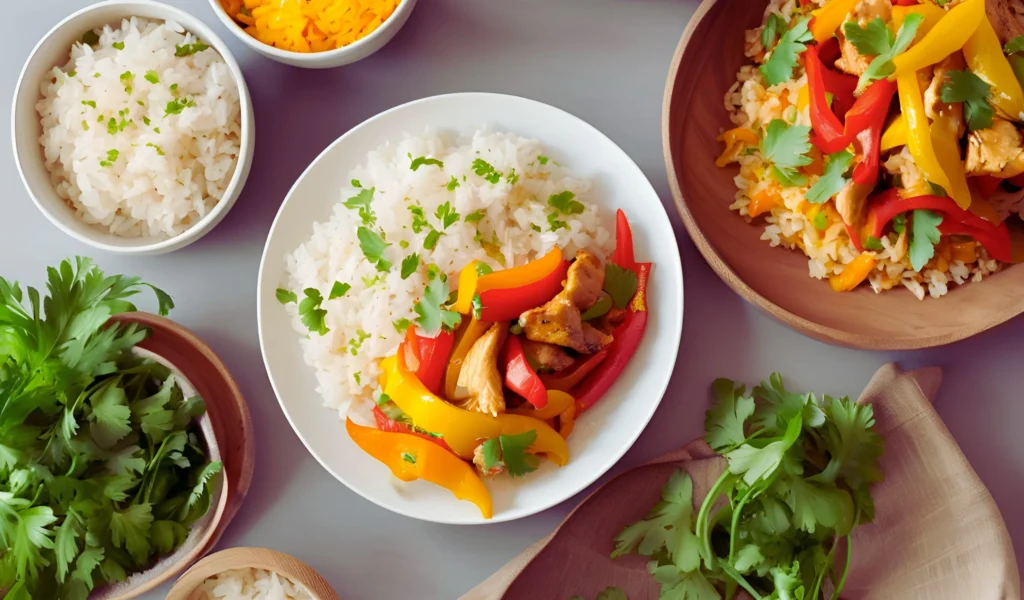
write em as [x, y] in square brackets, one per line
[475, 216]
[815, 505]
[190, 49]
[554, 223]
[433, 316]
[312, 316]
[833, 180]
[678, 585]
[821, 221]
[372, 245]
[410, 264]
[973, 91]
[361, 202]
[620, 284]
[514, 452]
[491, 451]
[110, 416]
[855, 446]
[786, 146]
[924, 234]
[667, 527]
[285, 296]
[423, 160]
[452, 184]
[563, 202]
[1014, 45]
[338, 290]
[874, 244]
[779, 66]
[772, 26]
[446, 215]
[484, 169]
[725, 420]
[757, 464]
[431, 240]
[402, 324]
[483, 268]
[152, 76]
[419, 220]
[874, 39]
[899, 223]
[129, 529]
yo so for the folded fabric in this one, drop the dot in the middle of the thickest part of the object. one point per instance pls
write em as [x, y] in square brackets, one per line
[937, 533]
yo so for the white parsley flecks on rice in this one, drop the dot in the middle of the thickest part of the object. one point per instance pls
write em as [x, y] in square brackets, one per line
[515, 224]
[137, 139]
[249, 584]
[790, 224]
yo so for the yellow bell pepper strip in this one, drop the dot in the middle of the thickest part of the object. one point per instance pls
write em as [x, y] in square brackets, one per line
[828, 18]
[471, 330]
[946, 144]
[736, 140]
[461, 429]
[946, 37]
[919, 138]
[854, 273]
[567, 422]
[472, 283]
[548, 442]
[931, 13]
[558, 402]
[985, 58]
[895, 134]
[411, 458]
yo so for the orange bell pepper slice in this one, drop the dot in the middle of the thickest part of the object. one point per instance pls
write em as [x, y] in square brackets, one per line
[410, 458]
[558, 402]
[472, 283]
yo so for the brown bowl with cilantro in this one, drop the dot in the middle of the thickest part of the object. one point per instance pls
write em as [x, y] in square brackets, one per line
[125, 475]
[877, 141]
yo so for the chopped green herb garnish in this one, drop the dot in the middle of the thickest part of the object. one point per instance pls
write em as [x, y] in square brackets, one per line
[446, 215]
[190, 49]
[409, 458]
[875, 39]
[483, 268]
[111, 158]
[127, 78]
[118, 45]
[338, 290]
[356, 184]
[620, 284]
[174, 87]
[158, 149]
[772, 27]
[423, 160]
[564, 203]
[899, 223]
[475, 216]
[433, 316]
[146, 121]
[175, 107]
[973, 91]
[486, 170]
[542, 160]
[833, 180]
[90, 103]
[361, 202]
[924, 234]
[313, 317]
[554, 224]
[156, 130]
[85, 125]
[512, 177]
[112, 126]
[821, 221]
[152, 77]
[285, 296]
[779, 66]
[358, 377]
[786, 146]
[454, 183]
[403, 244]
[419, 219]
[410, 264]
[873, 244]
[512, 450]
[372, 245]
[478, 306]
[402, 324]
[431, 240]
[356, 343]
[369, 282]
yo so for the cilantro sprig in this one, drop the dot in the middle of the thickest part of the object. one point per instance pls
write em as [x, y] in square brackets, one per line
[964, 86]
[310, 311]
[102, 470]
[833, 179]
[423, 160]
[924, 234]
[786, 146]
[511, 451]
[433, 315]
[361, 202]
[876, 39]
[784, 57]
[797, 483]
[373, 245]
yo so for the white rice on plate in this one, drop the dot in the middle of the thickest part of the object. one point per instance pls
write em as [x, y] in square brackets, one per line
[504, 219]
[136, 139]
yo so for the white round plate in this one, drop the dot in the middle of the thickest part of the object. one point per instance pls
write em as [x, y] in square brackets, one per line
[605, 432]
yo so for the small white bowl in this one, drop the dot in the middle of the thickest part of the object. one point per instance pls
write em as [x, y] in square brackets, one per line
[331, 58]
[26, 127]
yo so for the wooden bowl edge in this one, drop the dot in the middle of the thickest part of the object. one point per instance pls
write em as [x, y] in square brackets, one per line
[252, 557]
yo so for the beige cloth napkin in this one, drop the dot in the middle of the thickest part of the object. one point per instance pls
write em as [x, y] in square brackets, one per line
[937, 534]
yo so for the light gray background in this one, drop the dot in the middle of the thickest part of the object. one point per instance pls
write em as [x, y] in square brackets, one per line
[603, 60]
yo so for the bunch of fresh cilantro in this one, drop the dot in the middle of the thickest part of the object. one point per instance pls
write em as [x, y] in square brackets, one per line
[779, 517]
[102, 469]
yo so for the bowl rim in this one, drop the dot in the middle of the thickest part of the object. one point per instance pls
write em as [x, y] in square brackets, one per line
[802, 325]
[254, 558]
[247, 140]
[404, 7]
[677, 294]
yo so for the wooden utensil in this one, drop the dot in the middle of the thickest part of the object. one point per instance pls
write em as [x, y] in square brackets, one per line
[254, 558]
[227, 421]
[776, 280]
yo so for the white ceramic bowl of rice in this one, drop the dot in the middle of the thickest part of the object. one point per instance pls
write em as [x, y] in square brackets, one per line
[313, 242]
[124, 144]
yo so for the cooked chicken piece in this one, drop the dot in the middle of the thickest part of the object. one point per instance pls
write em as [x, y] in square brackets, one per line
[850, 61]
[1007, 18]
[584, 280]
[995, 151]
[911, 177]
[479, 380]
[478, 461]
[558, 322]
[546, 357]
[850, 202]
[610, 320]
[933, 104]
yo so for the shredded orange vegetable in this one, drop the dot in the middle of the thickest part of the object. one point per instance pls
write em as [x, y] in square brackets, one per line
[309, 25]
[854, 273]
[763, 202]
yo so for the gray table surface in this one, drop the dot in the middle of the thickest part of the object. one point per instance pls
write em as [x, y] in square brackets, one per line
[605, 61]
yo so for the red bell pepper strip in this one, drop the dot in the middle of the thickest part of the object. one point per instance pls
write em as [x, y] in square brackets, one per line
[825, 123]
[956, 221]
[626, 340]
[872, 107]
[623, 255]
[508, 303]
[857, 243]
[386, 423]
[428, 357]
[567, 379]
[837, 83]
[520, 376]
[986, 184]
[905, 2]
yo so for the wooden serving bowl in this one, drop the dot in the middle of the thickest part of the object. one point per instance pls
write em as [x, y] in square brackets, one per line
[775, 279]
[227, 428]
[253, 558]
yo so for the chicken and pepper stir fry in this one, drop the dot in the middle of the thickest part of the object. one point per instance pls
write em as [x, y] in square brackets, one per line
[520, 355]
[884, 137]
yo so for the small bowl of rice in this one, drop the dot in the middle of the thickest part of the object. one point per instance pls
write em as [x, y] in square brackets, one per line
[251, 574]
[318, 34]
[132, 126]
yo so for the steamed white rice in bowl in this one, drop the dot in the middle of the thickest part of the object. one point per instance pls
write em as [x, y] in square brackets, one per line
[495, 189]
[133, 127]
